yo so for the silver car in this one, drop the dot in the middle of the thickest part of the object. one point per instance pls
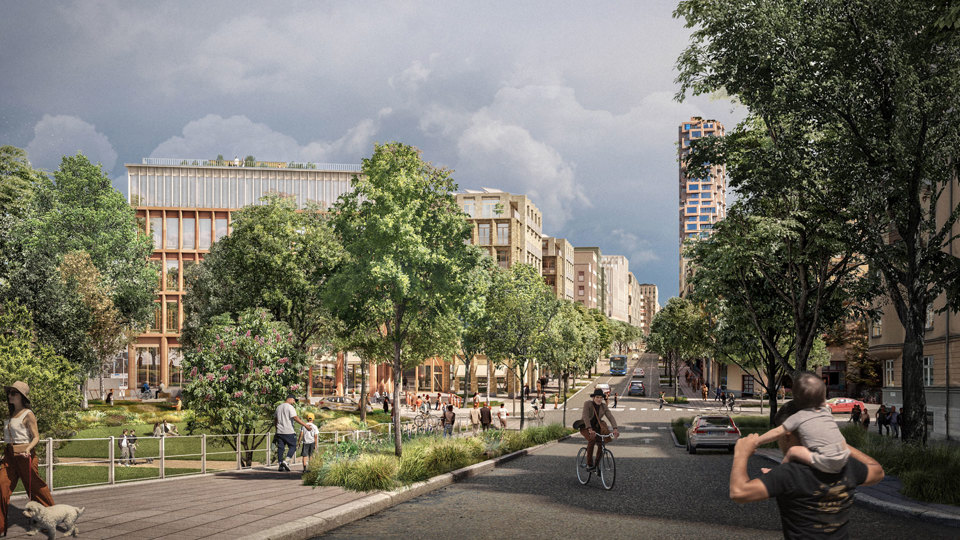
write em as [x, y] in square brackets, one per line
[712, 431]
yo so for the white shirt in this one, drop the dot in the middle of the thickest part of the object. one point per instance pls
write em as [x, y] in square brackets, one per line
[16, 431]
[123, 442]
[310, 435]
[501, 413]
[284, 416]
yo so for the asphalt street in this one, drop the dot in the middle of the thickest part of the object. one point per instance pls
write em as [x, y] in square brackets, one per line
[661, 492]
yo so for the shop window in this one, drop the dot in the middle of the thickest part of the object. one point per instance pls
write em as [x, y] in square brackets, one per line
[148, 365]
[174, 369]
[323, 379]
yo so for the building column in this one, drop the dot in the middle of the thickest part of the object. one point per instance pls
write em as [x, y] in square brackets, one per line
[339, 372]
[164, 377]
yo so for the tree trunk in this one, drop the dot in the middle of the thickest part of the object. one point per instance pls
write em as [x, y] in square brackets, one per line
[466, 378]
[523, 398]
[397, 371]
[564, 399]
[773, 387]
[101, 384]
[363, 389]
[914, 415]
[83, 392]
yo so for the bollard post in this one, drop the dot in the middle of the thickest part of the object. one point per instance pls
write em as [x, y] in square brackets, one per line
[239, 463]
[269, 441]
[203, 453]
[162, 456]
[50, 463]
[111, 474]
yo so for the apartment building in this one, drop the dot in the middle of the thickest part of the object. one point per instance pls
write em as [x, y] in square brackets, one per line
[508, 226]
[650, 304]
[558, 266]
[588, 277]
[186, 205]
[703, 199]
[616, 269]
[635, 302]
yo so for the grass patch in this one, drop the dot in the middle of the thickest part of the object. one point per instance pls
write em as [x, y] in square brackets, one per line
[65, 476]
[376, 468]
[930, 473]
[678, 399]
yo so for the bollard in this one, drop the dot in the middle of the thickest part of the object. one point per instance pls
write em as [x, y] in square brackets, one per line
[50, 463]
[111, 472]
[162, 456]
[269, 441]
[203, 453]
[239, 463]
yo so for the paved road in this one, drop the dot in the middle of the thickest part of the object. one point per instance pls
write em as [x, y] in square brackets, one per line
[661, 491]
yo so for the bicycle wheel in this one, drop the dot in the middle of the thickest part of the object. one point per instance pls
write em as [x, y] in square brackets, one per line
[583, 475]
[418, 420]
[607, 469]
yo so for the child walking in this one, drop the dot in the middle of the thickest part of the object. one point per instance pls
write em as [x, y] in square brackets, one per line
[824, 447]
[309, 434]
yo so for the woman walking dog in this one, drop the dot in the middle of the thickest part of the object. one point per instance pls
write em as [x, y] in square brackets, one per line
[21, 435]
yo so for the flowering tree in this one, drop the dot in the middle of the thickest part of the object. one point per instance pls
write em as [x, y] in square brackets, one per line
[239, 372]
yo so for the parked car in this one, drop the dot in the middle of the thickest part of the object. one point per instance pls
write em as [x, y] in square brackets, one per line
[844, 405]
[639, 372]
[713, 431]
[637, 389]
[342, 403]
[605, 387]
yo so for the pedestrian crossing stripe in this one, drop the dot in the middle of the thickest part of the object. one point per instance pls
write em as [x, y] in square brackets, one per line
[633, 408]
[643, 409]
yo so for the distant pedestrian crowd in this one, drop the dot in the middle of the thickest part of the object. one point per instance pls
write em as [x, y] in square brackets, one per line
[886, 418]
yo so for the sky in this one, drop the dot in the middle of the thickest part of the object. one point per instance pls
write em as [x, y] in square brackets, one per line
[571, 103]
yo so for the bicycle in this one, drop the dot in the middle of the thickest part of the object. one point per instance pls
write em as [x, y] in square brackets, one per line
[606, 467]
[731, 406]
[535, 413]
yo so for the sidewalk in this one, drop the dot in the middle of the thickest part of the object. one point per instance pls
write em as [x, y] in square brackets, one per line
[886, 497]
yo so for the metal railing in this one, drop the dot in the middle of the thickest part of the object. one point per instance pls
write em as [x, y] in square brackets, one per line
[337, 167]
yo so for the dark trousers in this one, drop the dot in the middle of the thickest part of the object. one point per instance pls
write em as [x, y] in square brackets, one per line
[591, 444]
[14, 469]
[485, 426]
[285, 439]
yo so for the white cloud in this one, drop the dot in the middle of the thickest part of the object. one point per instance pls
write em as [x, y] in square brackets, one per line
[239, 136]
[639, 250]
[60, 135]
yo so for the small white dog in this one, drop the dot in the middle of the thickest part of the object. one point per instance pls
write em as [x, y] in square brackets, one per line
[48, 517]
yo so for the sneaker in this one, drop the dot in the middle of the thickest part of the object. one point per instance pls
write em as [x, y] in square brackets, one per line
[283, 467]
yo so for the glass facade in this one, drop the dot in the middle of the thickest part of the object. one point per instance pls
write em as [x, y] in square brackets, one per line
[173, 318]
[174, 361]
[189, 233]
[148, 365]
[173, 233]
[205, 232]
[220, 228]
[156, 229]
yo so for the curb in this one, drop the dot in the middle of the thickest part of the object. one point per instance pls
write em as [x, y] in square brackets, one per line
[322, 522]
[676, 442]
[910, 510]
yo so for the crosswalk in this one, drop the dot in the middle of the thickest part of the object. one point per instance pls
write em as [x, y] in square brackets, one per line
[621, 409]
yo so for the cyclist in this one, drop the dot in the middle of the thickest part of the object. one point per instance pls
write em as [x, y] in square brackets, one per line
[731, 401]
[593, 412]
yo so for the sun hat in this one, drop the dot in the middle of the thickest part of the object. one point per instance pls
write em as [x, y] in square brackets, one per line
[597, 392]
[310, 416]
[24, 390]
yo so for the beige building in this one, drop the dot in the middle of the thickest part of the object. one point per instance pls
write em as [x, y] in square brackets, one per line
[587, 282]
[558, 266]
[616, 269]
[702, 200]
[508, 226]
[650, 304]
[941, 351]
[634, 301]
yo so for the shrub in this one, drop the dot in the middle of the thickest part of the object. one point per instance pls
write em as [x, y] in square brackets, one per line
[372, 472]
[449, 455]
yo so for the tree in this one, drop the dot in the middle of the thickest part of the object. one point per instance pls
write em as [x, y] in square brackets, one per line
[877, 80]
[562, 345]
[602, 324]
[52, 379]
[678, 334]
[17, 182]
[624, 335]
[237, 373]
[249, 161]
[277, 258]
[404, 237]
[474, 322]
[520, 305]
[107, 332]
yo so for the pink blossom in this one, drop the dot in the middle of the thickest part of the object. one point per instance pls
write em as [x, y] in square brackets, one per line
[227, 367]
[238, 394]
[234, 343]
[193, 372]
[247, 334]
[266, 370]
[294, 387]
[223, 378]
[283, 360]
[210, 376]
[279, 371]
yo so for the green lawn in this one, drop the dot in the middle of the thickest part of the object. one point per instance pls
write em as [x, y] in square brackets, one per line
[77, 475]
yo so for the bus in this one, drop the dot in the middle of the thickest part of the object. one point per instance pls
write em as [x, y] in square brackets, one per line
[618, 364]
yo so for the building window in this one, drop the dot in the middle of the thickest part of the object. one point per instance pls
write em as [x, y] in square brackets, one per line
[503, 258]
[468, 209]
[173, 318]
[877, 328]
[704, 218]
[173, 275]
[483, 233]
[693, 196]
[691, 218]
[148, 365]
[156, 229]
[693, 187]
[691, 209]
[173, 233]
[173, 366]
[488, 207]
[221, 228]
[691, 226]
[747, 385]
[204, 233]
[580, 291]
[686, 127]
[189, 233]
[888, 373]
[579, 276]
[928, 371]
[503, 234]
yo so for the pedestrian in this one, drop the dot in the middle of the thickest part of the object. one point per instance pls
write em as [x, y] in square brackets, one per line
[308, 434]
[386, 403]
[854, 414]
[526, 391]
[376, 396]
[662, 400]
[615, 396]
[486, 418]
[109, 400]
[419, 402]
[703, 391]
[20, 462]
[716, 393]
[502, 416]
[866, 420]
[881, 419]
[437, 407]
[475, 418]
[811, 503]
[124, 445]
[476, 398]
[159, 389]
[893, 420]
[556, 401]
[449, 418]
[132, 444]
[284, 417]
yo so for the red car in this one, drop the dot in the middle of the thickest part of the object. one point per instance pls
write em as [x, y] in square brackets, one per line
[844, 405]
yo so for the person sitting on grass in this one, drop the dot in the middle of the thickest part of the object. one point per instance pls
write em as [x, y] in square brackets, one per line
[824, 447]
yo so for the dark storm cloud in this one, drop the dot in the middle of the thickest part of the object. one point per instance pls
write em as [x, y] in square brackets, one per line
[569, 103]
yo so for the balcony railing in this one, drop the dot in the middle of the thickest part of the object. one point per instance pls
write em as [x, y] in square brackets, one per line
[336, 167]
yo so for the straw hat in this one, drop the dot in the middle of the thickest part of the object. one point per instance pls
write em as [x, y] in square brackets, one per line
[24, 390]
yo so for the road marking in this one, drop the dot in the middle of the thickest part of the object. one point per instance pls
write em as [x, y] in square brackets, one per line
[633, 408]
[663, 428]
[643, 409]
[575, 409]
[644, 427]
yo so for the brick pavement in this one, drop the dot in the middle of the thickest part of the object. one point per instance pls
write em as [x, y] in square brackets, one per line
[224, 505]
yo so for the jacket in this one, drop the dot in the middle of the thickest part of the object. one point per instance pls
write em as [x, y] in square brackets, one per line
[485, 416]
[602, 411]
[474, 416]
